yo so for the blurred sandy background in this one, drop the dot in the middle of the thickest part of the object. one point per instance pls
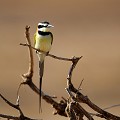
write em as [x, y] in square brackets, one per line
[82, 27]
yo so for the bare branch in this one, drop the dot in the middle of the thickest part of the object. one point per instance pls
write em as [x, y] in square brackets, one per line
[9, 117]
[50, 55]
[74, 62]
[81, 98]
[11, 104]
[79, 88]
[31, 62]
[72, 108]
[81, 111]
[70, 112]
[27, 79]
[118, 105]
[66, 107]
[17, 107]
[77, 107]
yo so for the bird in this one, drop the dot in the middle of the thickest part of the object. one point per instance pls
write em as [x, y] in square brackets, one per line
[43, 40]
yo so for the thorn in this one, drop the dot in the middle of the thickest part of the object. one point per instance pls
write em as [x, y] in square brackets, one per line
[79, 88]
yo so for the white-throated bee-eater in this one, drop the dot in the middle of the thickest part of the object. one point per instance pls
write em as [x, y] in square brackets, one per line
[43, 39]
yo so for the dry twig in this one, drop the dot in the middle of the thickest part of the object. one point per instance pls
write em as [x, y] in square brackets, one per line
[17, 107]
[60, 108]
[67, 107]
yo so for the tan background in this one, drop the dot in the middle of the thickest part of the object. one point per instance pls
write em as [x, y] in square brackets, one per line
[82, 27]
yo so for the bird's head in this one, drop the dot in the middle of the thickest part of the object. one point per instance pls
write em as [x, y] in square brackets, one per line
[44, 26]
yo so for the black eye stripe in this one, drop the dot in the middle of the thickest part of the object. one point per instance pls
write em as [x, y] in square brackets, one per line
[40, 26]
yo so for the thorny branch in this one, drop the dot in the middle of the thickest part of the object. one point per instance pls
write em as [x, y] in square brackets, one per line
[17, 107]
[79, 97]
[71, 107]
[50, 55]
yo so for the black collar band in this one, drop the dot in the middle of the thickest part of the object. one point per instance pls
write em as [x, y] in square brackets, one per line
[43, 33]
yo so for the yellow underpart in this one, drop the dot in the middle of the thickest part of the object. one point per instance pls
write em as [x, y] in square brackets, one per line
[43, 42]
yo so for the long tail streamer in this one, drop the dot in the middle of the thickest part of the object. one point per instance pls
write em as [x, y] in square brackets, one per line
[41, 70]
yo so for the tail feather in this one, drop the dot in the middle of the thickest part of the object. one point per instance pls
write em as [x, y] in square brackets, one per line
[40, 87]
[41, 70]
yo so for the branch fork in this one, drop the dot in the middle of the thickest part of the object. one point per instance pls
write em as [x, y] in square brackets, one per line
[70, 107]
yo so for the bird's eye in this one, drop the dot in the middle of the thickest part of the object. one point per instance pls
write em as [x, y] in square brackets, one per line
[40, 26]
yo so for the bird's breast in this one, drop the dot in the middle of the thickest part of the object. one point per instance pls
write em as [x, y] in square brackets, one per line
[43, 43]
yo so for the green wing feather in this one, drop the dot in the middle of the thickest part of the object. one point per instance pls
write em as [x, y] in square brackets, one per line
[52, 38]
[34, 39]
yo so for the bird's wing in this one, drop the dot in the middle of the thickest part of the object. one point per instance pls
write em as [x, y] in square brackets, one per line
[34, 39]
[52, 38]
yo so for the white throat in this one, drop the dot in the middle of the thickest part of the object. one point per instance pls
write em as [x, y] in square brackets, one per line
[44, 29]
